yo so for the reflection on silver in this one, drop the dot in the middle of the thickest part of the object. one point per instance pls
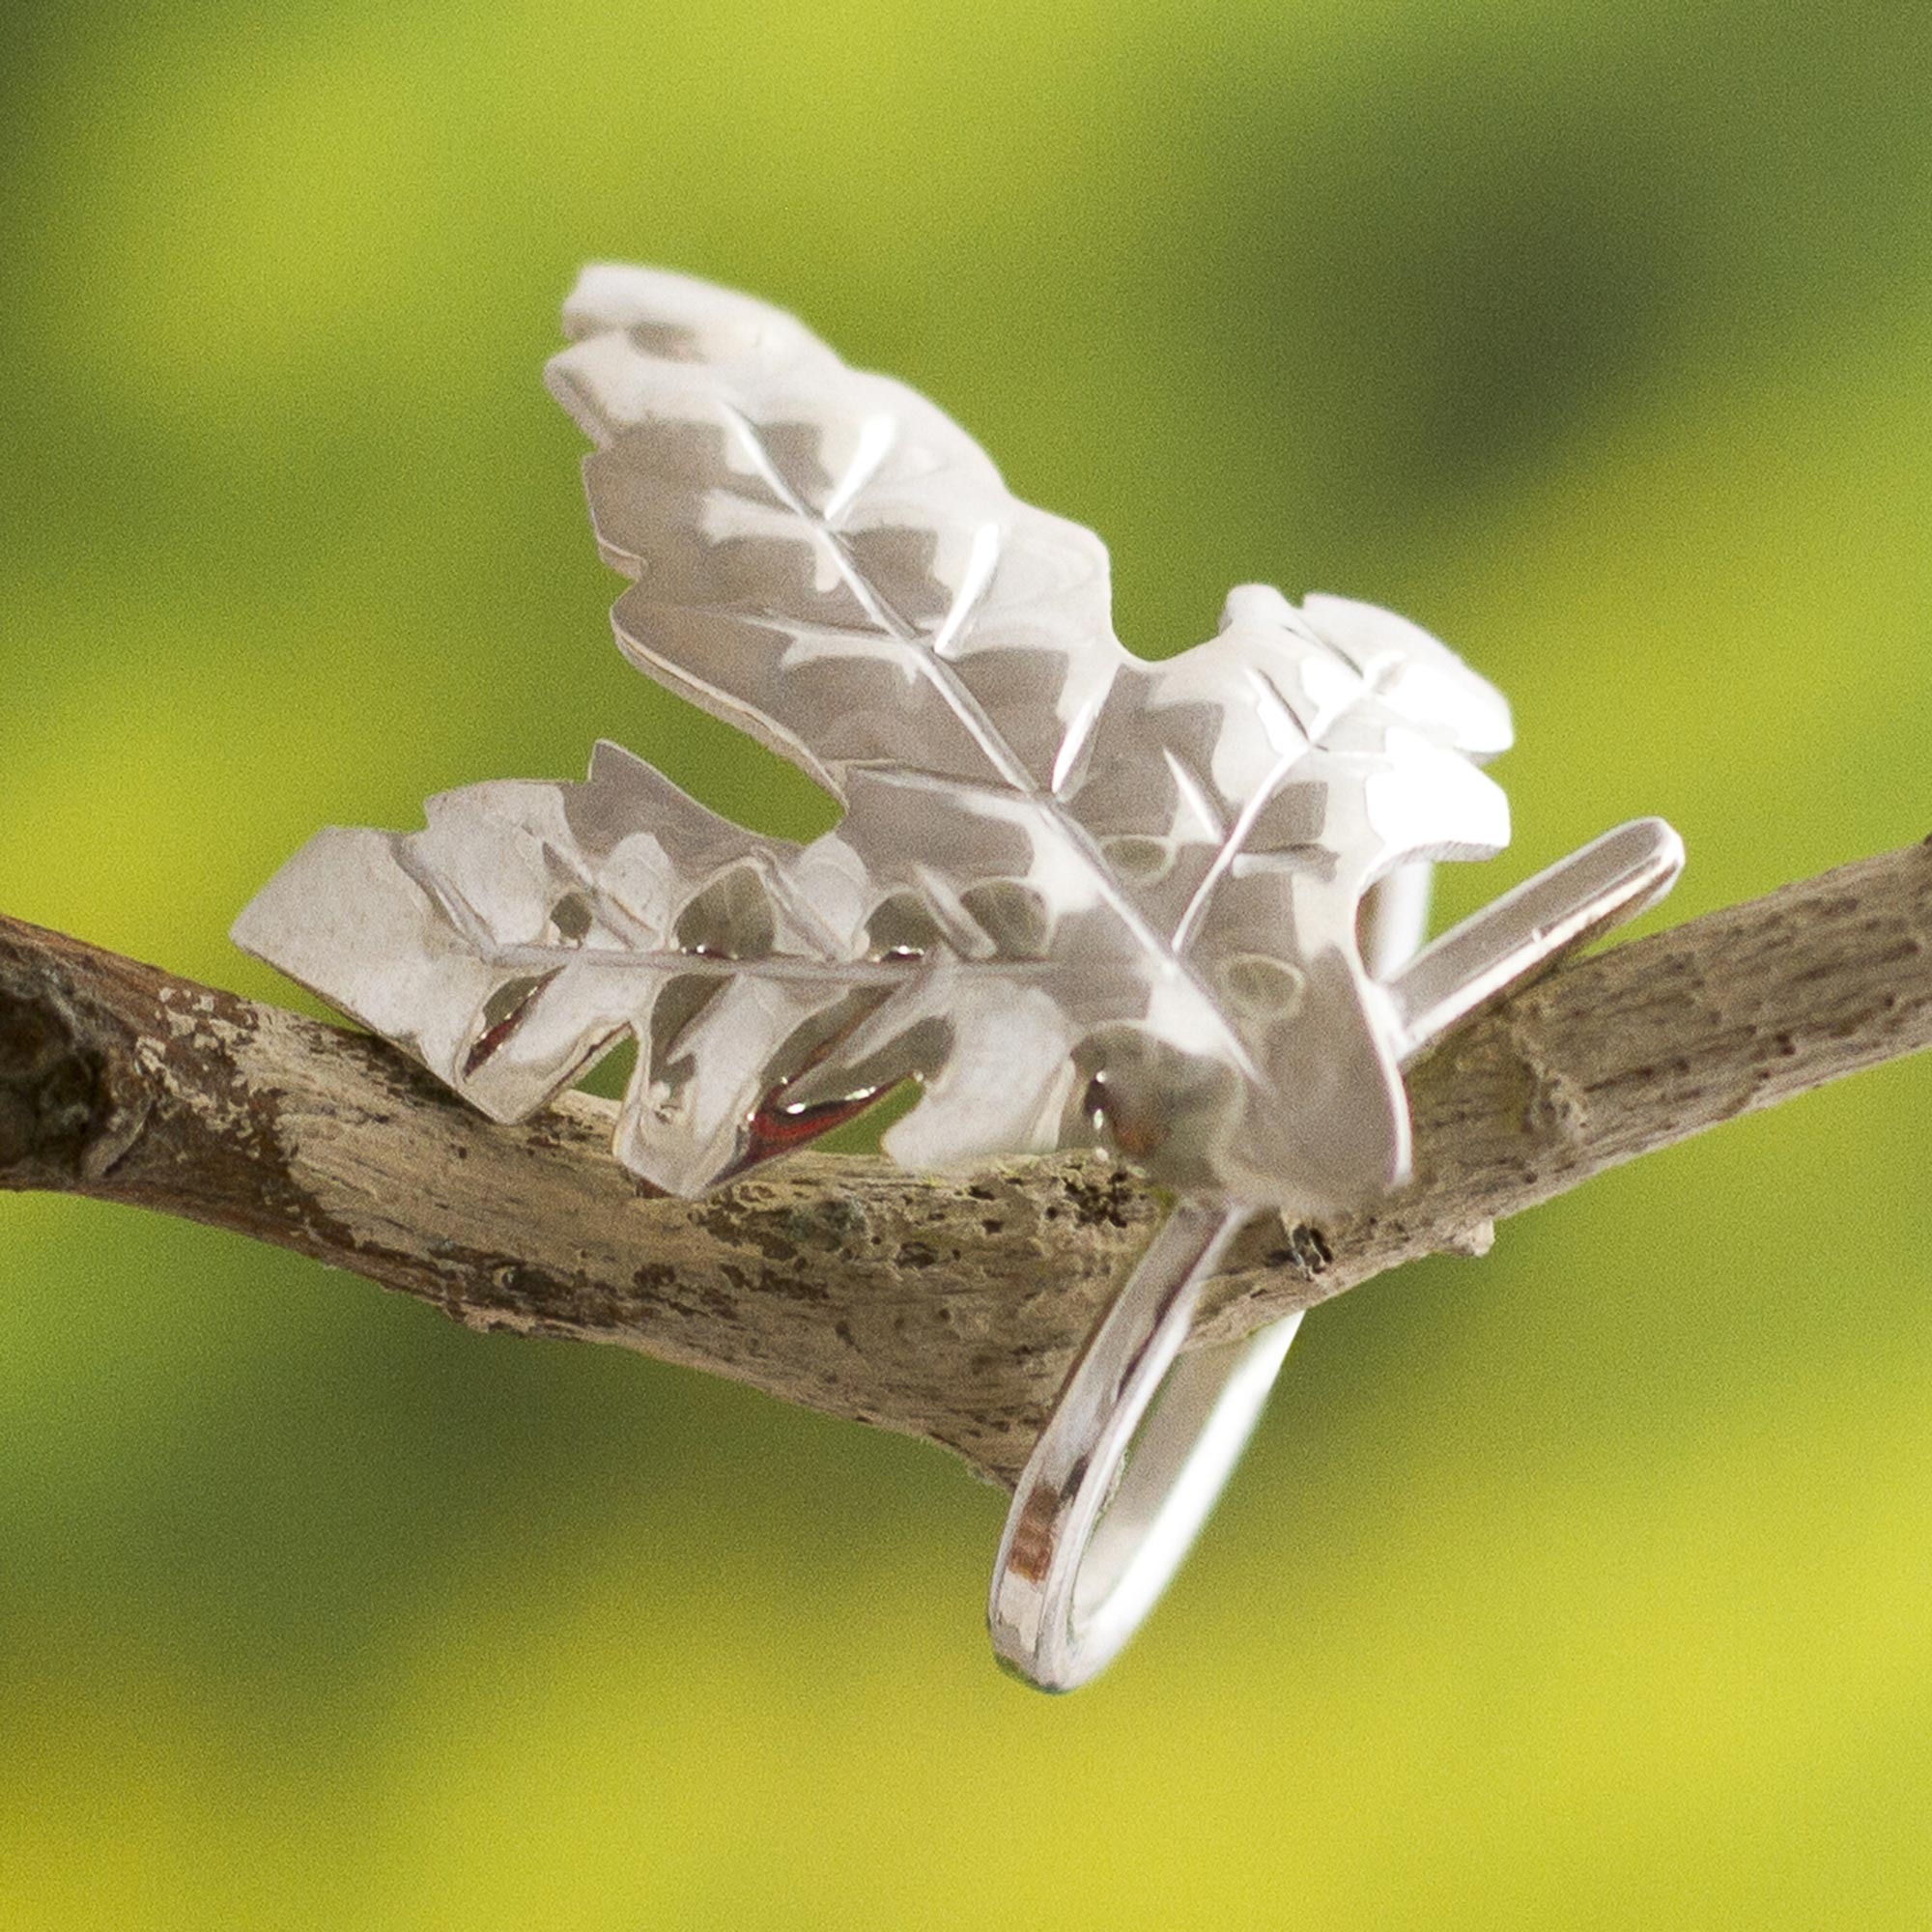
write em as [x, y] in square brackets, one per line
[1080, 897]
[1120, 1484]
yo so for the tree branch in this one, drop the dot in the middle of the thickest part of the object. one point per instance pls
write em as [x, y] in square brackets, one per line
[949, 1309]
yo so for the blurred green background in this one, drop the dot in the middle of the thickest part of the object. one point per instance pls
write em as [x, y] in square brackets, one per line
[1589, 1585]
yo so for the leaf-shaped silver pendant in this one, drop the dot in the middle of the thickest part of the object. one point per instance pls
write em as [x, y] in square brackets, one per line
[1082, 898]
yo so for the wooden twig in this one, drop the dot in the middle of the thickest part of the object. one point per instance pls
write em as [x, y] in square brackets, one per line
[946, 1308]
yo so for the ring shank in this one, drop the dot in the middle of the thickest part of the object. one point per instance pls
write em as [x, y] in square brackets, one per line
[1144, 1438]
[1100, 1519]
[1094, 1533]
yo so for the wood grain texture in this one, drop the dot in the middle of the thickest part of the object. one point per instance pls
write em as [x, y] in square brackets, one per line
[947, 1308]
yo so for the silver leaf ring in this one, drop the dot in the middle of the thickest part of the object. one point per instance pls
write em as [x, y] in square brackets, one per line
[1167, 908]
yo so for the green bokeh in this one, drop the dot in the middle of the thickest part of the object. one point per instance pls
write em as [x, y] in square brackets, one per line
[1590, 1585]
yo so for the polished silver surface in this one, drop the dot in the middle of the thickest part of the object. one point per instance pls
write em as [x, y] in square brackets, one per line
[1080, 897]
[1142, 1438]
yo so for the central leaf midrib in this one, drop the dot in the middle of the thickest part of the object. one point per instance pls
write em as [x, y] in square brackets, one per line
[967, 710]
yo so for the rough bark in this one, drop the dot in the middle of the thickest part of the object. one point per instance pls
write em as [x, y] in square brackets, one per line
[946, 1308]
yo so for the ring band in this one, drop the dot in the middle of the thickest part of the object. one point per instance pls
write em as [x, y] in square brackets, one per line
[1094, 1535]
[1128, 1519]
[1119, 1483]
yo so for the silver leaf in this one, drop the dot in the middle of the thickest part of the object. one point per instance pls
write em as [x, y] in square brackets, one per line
[1080, 896]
